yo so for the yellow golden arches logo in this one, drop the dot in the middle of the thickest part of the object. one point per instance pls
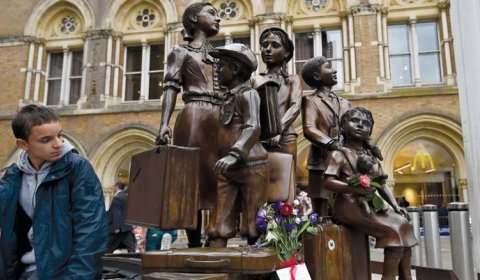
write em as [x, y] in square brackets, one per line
[423, 156]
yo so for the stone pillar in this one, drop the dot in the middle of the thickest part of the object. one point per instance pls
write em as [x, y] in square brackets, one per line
[228, 38]
[449, 79]
[29, 70]
[38, 71]
[416, 62]
[346, 52]
[95, 58]
[465, 18]
[63, 86]
[289, 21]
[351, 41]
[116, 66]
[380, 44]
[317, 40]
[386, 51]
[108, 66]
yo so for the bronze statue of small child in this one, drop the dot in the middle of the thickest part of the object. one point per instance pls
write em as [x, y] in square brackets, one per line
[391, 226]
[242, 168]
[321, 114]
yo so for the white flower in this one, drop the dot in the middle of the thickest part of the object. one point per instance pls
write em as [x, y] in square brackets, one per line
[298, 221]
[270, 236]
[296, 202]
[295, 211]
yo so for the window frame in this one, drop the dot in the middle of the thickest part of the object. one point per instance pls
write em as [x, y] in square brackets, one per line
[65, 77]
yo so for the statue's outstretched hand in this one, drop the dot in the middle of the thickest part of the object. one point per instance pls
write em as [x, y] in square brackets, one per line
[402, 211]
[164, 136]
[273, 142]
[224, 163]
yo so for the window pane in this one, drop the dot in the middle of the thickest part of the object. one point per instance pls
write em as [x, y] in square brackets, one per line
[427, 36]
[429, 68]
[303, 46]
[132, 87]
[155, 86]
[398, 39]
[400, 70]
[338, 65]
[332, 44]
[56, 64]
[53, 95]
[156, 57]
[242, 40]
[77, 61]
[75, 85]
[134, 59]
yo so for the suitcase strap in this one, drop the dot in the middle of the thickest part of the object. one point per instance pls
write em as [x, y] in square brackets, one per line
[222, 263]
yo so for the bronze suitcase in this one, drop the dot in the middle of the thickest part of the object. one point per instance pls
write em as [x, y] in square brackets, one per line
[270, 120]
[164, 187]
[281, 185]
[240, 261]
[337, 253]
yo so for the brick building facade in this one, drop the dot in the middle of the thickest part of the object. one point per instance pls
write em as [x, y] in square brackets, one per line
[100, 64]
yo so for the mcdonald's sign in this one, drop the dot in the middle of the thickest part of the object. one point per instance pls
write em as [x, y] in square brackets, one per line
[422, 157]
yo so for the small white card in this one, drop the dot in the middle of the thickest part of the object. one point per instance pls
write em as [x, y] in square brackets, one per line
[301, 273]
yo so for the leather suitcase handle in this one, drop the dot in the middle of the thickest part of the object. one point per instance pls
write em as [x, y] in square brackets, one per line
[189, 262]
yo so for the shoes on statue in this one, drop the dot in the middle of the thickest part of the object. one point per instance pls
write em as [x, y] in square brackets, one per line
[166, 243]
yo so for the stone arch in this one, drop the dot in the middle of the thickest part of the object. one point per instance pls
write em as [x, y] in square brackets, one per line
[45, 11]
[118, 146]
[437, 128]
[113, 17]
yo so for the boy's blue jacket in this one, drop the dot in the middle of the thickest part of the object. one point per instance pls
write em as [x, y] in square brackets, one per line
[69, 223]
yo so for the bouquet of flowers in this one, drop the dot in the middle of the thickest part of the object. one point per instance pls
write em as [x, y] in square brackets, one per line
[282, 225]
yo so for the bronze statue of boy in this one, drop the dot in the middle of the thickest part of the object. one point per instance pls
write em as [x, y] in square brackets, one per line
[321, 114]
[242, 168]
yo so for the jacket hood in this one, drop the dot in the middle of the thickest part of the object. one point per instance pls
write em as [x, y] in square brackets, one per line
[25, 166]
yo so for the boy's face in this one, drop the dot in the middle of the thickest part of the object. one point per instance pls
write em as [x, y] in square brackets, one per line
[44, 143]
[326, 74]
[358, 127]
[225, 73]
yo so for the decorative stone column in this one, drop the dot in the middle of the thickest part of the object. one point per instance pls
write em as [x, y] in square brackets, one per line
[116, 66]
[416, 62]
[317, 40]
[346, 50]
[449, 78]
[38, 69]
[95, 61]
[29, 69]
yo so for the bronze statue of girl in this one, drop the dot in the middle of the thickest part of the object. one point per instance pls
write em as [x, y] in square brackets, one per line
[277, 50]
[190, 66]
[390, 225]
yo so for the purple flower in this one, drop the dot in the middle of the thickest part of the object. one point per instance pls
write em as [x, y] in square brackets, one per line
[278, 218]
[313, 218]
[262, 213]
[262, 226]
[289, 226]
[277, 205]
[256, 245]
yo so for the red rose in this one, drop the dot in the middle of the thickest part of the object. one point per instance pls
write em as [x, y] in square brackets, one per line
[364, 181]
[286, 209]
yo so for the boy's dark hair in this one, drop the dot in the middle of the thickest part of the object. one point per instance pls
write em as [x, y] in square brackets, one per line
[244, 72]
[309, 69]
[188, 24]
[30, 116]
[120, 184]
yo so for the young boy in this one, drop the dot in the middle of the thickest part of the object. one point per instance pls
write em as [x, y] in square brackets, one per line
[52, 213]
[242, 169]
[321, 114]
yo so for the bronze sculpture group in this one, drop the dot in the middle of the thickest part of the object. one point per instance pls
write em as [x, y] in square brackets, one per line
[225, 117]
